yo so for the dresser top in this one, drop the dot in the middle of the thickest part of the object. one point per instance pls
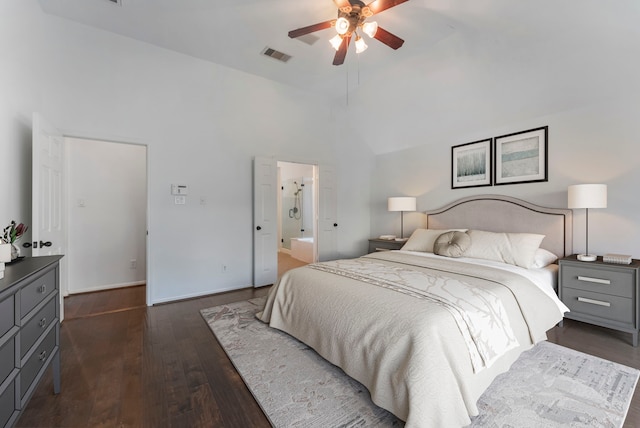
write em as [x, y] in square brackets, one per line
[20, 269]
[574, 258]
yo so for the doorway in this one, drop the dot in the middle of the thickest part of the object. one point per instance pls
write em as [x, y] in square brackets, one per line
[266, 212]
[297, 214]
[106, 215]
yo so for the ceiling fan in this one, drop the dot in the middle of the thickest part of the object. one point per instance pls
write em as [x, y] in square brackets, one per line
[352, 16]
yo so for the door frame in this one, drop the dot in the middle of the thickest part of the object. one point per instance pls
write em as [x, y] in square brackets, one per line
[317, 166]
[117, 140]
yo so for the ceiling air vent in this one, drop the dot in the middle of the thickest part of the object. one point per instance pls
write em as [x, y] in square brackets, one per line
[280, 56]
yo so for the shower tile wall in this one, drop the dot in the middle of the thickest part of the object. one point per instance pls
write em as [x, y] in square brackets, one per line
[297, 210]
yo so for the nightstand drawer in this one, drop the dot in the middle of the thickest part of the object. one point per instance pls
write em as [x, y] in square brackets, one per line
[599, 305]
[613, 282]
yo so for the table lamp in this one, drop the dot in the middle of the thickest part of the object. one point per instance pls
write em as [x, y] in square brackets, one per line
[401, 204]
[587, 196]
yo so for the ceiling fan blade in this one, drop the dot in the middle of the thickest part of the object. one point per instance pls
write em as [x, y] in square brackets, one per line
[342, 51]
[311, 28]
[343, 5]
[377, 6]
[391, 40]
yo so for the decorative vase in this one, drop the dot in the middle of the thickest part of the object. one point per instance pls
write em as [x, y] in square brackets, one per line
[15, 251]
[5, 252]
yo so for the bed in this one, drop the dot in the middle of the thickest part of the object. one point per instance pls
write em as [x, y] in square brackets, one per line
[427, 334]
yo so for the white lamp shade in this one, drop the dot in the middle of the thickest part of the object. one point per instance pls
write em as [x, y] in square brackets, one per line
[401, 204]
[587, 196]
[370, 28]
[361, 46]
[342, 26]
[336, 41]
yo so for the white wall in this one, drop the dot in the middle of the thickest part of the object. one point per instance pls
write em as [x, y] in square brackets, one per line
[578, 76]
[594, 144]
[107, 209]
[203, 124]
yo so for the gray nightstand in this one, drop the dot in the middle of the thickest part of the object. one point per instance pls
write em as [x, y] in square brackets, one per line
[603, 294]
[376, 244]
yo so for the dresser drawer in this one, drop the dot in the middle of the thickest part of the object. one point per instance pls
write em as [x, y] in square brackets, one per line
[7, 403]
[7, 359]
[613, 282]
[599, 305]
[36, 326]
[37, 360]
[7, 314]
[37, 291]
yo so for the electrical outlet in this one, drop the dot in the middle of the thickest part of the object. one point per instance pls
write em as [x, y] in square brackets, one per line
[133, 264]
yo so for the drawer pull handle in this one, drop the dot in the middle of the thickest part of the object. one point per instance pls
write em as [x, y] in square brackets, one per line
[42, 288]
[594, 302]
[596, 280]
[382, 249]
[43, 355]
[43, 322]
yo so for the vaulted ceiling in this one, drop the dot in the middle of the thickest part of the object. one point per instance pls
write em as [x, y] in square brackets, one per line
[454, 49]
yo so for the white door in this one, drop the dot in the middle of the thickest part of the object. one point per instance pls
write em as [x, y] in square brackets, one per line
[328, 214]
[265, 219]
[47, 218]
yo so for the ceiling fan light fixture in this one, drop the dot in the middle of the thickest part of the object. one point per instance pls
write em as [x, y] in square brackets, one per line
[361, 46]
[370, 28]
[342, 26]
[336, 41]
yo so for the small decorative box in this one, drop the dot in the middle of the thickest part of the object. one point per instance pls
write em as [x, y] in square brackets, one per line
[619, 259]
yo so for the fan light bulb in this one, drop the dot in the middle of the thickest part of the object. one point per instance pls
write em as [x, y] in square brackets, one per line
[336, 41]
[361, 46]
[370, 28]
[342, 26]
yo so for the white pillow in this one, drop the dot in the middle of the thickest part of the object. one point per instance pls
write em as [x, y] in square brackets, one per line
[543, 258]
[452, 244]
[513, 248]
[424, 239]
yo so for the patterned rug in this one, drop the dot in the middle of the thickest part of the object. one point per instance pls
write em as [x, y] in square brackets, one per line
[548, 386]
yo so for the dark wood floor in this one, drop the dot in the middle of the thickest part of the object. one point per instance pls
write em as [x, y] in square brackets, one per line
[161, 367]
[105, 302]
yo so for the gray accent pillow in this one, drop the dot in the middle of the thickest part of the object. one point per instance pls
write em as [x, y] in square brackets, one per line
[452, 244]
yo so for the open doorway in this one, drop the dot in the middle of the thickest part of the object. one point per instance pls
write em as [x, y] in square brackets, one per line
[296, 208]
[106, 216]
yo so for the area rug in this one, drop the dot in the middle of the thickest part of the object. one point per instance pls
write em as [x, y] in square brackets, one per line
[549, 385]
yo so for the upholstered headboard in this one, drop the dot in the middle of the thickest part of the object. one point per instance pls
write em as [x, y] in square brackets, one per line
[496, 213]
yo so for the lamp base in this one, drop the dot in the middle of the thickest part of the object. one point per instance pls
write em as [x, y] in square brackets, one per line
[587, 257]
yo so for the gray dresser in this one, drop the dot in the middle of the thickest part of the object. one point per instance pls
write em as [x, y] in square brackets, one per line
[29, 331]
[601, 293]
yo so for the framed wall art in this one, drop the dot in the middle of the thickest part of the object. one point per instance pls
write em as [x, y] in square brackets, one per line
[521, 157]
[471, 164]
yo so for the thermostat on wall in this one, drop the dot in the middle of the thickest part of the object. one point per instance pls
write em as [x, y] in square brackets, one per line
[179, 189]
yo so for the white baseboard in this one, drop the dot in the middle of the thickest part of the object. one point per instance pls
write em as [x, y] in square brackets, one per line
[194, 295]
[106, 287]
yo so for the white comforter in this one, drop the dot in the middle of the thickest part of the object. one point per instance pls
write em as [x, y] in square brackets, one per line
[409, 352]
